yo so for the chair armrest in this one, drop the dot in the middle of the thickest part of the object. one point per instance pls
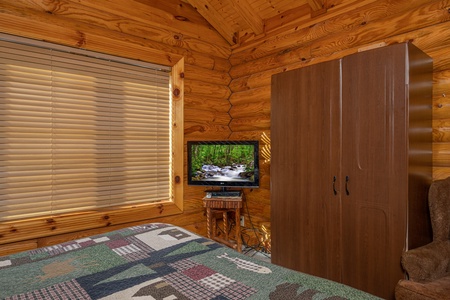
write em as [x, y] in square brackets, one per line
[428, 262]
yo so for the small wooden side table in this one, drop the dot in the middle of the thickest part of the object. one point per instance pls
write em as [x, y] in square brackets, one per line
[224, 205]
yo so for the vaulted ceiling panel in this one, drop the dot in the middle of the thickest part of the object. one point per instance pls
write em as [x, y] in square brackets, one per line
[234, 19]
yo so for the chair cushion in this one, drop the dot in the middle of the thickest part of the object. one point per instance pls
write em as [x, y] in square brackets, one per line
[439, 204]
[411, 290]
[428, 262]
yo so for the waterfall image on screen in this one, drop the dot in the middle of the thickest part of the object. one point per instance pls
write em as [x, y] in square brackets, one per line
[223, 163]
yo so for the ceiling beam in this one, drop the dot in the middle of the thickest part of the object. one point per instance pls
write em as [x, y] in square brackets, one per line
[215, 19]
[247, 13]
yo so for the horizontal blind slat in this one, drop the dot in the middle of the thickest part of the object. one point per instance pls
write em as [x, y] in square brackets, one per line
[80, 133]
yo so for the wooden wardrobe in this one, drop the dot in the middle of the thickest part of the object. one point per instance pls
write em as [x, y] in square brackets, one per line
[351, 166]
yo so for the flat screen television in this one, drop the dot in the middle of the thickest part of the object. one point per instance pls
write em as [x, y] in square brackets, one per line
[223, 164]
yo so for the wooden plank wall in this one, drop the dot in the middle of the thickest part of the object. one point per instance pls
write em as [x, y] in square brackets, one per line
[346, 27]
[227, 91]
[164, 33]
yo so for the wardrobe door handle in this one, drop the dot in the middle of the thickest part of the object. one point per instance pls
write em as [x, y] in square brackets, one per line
[347, 179]
[334, 185]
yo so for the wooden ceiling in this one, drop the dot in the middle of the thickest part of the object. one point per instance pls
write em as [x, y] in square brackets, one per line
[237, 20]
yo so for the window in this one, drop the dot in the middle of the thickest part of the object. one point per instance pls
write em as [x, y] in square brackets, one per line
[81, 133]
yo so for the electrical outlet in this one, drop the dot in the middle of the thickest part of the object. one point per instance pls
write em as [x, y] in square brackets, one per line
[242, 221]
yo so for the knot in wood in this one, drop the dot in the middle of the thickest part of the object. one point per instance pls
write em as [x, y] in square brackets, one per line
[181, 18]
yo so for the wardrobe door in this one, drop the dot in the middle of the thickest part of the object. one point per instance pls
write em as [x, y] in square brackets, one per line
[305, 135]
[374, 166]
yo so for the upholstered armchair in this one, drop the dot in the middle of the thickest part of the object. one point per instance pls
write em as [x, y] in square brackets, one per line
[428, 267]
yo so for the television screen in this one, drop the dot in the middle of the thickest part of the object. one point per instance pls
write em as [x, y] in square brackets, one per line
[223, 163]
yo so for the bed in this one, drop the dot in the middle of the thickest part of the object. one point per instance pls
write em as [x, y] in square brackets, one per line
[155, 261]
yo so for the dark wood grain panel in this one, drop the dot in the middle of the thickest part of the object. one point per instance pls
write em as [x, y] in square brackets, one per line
[366, 132]
[375, 162]
[305, 159]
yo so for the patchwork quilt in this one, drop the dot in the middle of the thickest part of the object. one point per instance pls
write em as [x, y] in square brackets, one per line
[155, 261]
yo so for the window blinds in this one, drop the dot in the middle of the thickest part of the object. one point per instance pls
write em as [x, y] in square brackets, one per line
[80, 133]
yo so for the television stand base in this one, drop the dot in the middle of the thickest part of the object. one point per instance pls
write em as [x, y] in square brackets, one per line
[224, 205]
[223, 194]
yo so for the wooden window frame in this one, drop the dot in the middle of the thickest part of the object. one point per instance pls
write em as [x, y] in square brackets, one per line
[21, 230]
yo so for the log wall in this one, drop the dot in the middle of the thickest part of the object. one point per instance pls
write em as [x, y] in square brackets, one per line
[165, 33]
[345, 28]
[227, 89]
